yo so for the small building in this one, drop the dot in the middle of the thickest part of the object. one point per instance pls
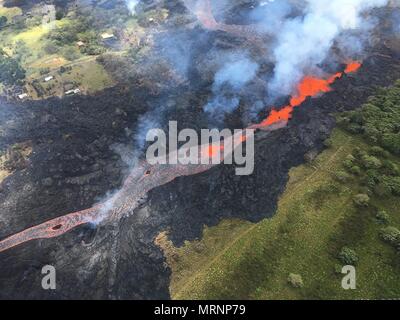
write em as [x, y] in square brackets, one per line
[72, 91]
[107, 36]
[80, 44]
[23, 96]
[110, 40]
[49, 78]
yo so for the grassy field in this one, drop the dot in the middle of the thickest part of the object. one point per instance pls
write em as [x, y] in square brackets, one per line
[85, 74]
[315, 219]
[9, 13]
[33, 39]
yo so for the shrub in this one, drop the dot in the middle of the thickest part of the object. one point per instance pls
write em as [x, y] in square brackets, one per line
[361, 200]
[372, 178]
[350, 158]
[295, 280]
[392, 183]
[338, 268]
[70, 53]
[348, 164]
[348, 256]
[390, 235]
[11, 71]
[51, 48]
[382, 217]
[342, 176]
[3, 21]
[378, 151]
[358, 153]
[44, 71]
[59, 15]
[391, 168]
[355, 170]
[354, 128]
[371, 162]
[391, 141]
[382, 190]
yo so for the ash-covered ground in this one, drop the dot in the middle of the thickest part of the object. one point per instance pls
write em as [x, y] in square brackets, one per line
[82, 146]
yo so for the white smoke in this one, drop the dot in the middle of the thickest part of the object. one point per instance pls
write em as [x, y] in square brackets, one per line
[132, 4]
[237, 71]
[306, 40]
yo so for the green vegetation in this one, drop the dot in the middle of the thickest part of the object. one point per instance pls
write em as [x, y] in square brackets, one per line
[378, 121]
[41, 47]
[9, 13]
[342, 208]
[348, 256]
[87, 75]
[10, 70]
[295, 280]
[64, 40]
[3, 21]
[391, 235]
[33, 49]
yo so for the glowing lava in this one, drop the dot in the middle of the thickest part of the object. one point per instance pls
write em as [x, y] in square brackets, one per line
[308, 87]
[352, 67]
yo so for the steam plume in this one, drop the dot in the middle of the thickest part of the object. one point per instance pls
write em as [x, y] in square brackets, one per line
[229, 80]
[305, 40]
[132, 4]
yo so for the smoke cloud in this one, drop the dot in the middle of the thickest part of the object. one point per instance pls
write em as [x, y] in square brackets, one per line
[303, 42]
[229, 80]
[132, 4]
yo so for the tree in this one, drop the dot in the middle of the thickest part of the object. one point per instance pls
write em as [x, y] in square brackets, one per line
[348, 256]
[378, 120]
[390, 235]
[3, 21]
[382, 217]
[371, 162]
[70, 53]
[361, 200]
[51, 48]
[295, 280]
[21, 51]
[11, 72]
[392, 183]
[342, 176]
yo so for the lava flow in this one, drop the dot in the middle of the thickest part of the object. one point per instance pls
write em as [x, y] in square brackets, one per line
[145, 177]
[308, 87]
[203, 12]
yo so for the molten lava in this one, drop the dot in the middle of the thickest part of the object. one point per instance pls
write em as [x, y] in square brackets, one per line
[309, 87]
[352, 67]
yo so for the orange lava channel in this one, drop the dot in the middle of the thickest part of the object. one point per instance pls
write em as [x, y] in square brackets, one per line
[309, 87]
